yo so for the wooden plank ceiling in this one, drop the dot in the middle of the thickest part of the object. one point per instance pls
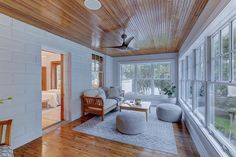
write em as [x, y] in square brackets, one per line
[159, 26]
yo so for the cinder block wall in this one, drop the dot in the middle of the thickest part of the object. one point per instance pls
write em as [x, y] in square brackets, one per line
[20, 75]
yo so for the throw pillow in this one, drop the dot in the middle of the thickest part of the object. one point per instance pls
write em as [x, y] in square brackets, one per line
[114, 92]
[101, 94]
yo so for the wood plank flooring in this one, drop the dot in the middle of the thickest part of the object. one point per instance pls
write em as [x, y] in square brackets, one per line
[64, 142]
[51, 116]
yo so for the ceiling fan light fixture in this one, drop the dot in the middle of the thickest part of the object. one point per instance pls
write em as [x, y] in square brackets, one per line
[93, 4]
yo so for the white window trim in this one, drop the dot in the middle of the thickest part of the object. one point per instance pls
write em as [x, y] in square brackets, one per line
[173, 76]
[225, 145]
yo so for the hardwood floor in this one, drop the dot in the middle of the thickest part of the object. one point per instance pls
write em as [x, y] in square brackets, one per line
[64, 142]
[51, 116]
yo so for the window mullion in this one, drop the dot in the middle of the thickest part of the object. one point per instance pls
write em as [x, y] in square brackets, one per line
[194, 80]
[152, 79]
[135, 79]
[208, 74]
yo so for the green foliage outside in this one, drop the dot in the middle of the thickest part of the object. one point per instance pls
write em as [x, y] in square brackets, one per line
[2, 100]
[145, 75]
[224, 126]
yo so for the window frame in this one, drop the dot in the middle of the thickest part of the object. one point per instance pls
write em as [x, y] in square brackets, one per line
[170, 62]
[99, 70]
[227, 146]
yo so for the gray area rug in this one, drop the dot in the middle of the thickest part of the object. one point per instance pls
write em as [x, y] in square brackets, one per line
[158, 136]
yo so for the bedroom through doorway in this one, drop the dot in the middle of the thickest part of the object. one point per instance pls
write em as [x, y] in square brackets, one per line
[52, 88]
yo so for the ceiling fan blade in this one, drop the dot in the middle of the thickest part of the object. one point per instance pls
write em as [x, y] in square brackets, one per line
[132, 49]
[128, 41]
[114, 47]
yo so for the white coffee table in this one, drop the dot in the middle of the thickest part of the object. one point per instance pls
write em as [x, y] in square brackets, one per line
[144, 107]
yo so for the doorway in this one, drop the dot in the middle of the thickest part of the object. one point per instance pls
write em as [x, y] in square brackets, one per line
[52, 88]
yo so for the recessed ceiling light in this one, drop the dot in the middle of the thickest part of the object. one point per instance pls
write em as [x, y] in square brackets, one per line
[93, 4]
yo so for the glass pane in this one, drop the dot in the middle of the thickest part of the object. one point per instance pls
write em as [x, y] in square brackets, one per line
[127, 75]
[144, 87]
[234, 34]
[200, 99]
[182, 70]
[93, 66]
[225, 39]
[127, 85]
[202, 64]
[225, 68]
[216, 68]
[183, 90]
[161, 71]
[128, 71]
[160, 85]
[190, 67]
[96, 65]
[144, 71]
[95, 79]
[224, 107]
[215, 45]
[234, 66]
[189, 93]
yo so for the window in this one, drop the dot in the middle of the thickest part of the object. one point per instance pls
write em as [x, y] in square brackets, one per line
[189, 82]
[223, 119]
[128, 77]
[213, 95]
[216, 57]
[183, 78]
[234, 34]
[200, 82]
[145, 78]
[234, 49]
[161, 77]
[223, 99]
[97, 71]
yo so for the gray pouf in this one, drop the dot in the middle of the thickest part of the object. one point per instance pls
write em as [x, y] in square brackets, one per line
[169, 112]
[130, 123]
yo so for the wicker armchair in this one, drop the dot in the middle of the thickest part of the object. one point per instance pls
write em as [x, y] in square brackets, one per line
[5, 150]
[96, 105]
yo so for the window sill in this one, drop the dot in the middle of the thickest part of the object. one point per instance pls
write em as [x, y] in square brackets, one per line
[190, 115]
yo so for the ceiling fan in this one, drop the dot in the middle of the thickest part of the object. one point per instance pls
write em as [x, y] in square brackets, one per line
[125, 43]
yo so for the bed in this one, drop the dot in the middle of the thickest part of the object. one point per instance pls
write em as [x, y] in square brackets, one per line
[52, 97]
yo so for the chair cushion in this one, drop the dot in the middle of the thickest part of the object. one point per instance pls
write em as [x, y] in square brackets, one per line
[109, 103]
[91, 93]
[6, 151]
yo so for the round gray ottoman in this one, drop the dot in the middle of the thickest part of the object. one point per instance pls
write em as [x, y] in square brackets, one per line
[169, 112]
[130, 123]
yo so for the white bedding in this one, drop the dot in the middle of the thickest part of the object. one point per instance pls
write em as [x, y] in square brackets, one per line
[53, 97]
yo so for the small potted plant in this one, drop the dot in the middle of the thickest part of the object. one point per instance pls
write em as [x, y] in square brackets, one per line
[2, 100]
[170, 91]
[138, 101]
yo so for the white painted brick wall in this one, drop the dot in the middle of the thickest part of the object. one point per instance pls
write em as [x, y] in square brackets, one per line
[20, 76]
